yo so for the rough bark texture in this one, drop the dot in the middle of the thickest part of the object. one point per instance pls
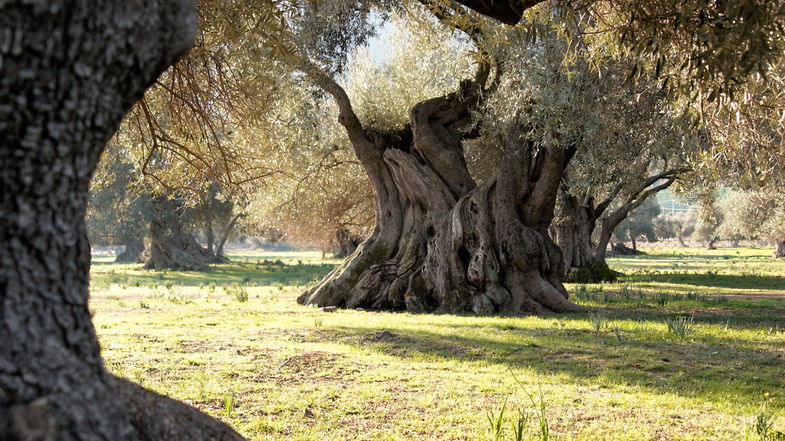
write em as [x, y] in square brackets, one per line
[171, 247]
[573, 229]
[133, 252]
[346, 243]
[441, 243]
[780, 251]
[69, 71]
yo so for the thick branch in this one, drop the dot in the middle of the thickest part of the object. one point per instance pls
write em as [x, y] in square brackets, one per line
[346, 115]
[642, 193]
[602, 206]
[506, 11]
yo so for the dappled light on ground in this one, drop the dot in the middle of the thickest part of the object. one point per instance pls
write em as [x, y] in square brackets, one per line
[655, 359]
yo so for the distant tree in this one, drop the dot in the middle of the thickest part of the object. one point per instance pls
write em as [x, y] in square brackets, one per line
[708, 219]
[756, 214]
[639, 225]
[679, 226]
[119, 210]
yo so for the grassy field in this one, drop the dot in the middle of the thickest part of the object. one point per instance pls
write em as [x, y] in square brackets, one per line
[689, 345]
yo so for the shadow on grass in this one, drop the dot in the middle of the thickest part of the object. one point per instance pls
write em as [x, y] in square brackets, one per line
[247, 273]
[709, 368]
[711, 280]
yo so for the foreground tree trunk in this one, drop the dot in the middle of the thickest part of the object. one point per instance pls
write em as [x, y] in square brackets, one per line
[441, 243]
[780, 251]
[134, 249]
[171, 247]
[69, 71]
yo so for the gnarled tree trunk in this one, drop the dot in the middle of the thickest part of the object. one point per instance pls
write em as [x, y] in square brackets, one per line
[346, 242]
[69, 71]
[134, 249]
[780, 250]
[573, 228]
[171, 247]
[441, 243]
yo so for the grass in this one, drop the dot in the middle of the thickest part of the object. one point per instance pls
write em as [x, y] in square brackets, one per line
[276, 370]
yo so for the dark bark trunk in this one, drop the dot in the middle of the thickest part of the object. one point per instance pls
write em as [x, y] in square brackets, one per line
[573, 227]
[634, 243]
[346, 243]
[619, 249]
[220, 256]
[440, 242]
[134, 249]
[711, 245]
[780, 251]
[573, 230]
[69, 71]
[506, 11]
[171, 247]
[208, 227]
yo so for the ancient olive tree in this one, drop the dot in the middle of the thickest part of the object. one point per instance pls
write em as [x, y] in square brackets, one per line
[69, 71]
[117, 212]
[631, 147]
[443, 242]
[200, 138]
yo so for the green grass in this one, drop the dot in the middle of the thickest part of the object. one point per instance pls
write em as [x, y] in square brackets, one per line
[279, 371]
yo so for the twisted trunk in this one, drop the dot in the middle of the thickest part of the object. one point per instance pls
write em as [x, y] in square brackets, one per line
[573, 228]
[171, 247]
[346, 242]
[134, 249]
[69, 71]
[441, 243]
[780, 251]
[220, 254]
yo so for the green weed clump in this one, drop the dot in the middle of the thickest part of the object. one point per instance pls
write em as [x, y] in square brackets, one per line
[681, 327]
[520, 421]
[239, 292]
[763, 426]
[598, 321]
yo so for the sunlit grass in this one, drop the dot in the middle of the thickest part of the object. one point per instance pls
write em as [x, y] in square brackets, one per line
[277, 370]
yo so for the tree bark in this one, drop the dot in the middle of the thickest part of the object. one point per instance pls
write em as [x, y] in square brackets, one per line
[780, 251]
[69, 71]
[171, 247]
[573, 229]
[441, 243]
[220, 256]
[208, 226]
[134, 249]
[346, 243]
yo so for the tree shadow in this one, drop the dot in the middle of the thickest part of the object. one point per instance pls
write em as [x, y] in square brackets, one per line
[726, 281]
[713, 369]
[246, 273]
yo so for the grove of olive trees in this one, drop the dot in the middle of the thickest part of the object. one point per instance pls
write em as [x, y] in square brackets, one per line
[456, 229]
